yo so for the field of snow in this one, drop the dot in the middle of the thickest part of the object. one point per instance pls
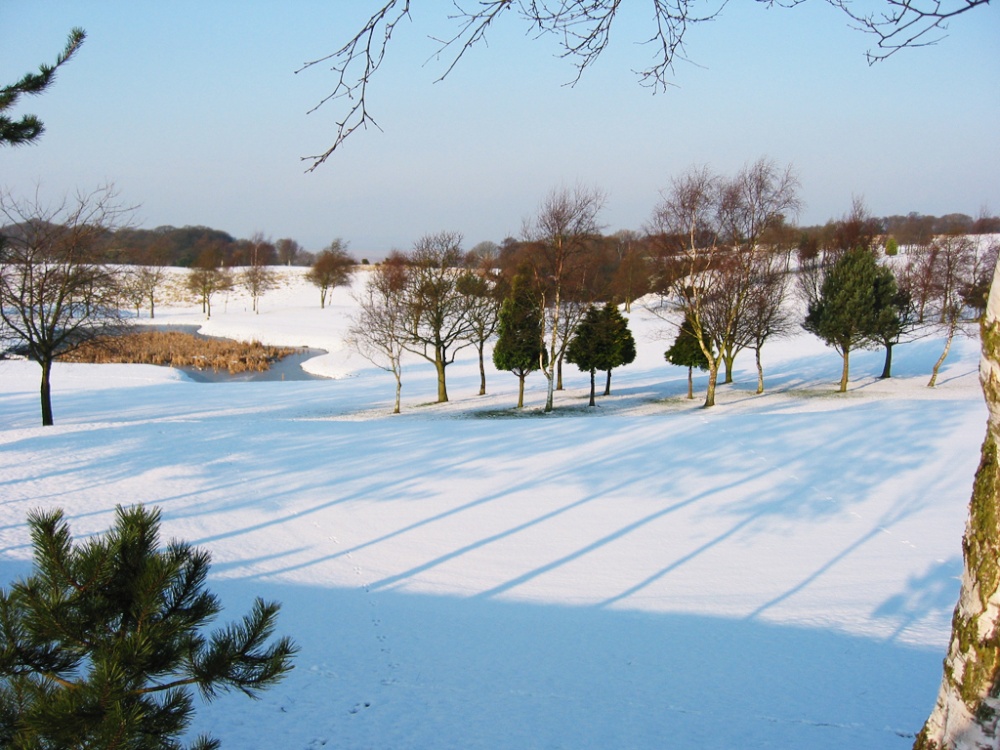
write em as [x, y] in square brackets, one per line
[776, 572]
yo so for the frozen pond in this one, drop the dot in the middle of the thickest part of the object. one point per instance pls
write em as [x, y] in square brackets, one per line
[287, 368]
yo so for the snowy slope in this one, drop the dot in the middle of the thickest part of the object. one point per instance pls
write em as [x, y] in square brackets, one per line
[776, 572]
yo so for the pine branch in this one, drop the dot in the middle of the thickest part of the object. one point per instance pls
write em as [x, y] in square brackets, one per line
[29, 127]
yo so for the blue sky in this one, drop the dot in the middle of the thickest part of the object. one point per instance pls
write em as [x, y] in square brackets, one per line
[195, 112]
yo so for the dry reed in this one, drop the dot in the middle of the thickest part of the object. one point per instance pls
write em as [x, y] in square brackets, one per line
[179, 350]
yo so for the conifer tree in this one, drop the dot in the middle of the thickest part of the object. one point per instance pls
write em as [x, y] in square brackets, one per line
[100, 646]
[519, 348]
[894, 317]
[686, 352]
[601, 341]
[623, 341]
[846, 312]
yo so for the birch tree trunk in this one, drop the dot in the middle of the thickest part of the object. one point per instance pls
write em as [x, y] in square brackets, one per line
[965, 716]
[944, 355]
[760, 371]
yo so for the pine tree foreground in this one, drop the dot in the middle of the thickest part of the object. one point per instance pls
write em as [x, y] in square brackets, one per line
[101, 644]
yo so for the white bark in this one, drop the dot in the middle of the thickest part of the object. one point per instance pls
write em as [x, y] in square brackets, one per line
[966, 714]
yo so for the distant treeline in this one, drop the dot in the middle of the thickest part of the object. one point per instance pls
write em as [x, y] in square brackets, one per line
[183, 246]
[918, 229]
[173, 246]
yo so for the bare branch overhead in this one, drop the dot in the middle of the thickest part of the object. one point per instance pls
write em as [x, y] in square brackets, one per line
[582, 29]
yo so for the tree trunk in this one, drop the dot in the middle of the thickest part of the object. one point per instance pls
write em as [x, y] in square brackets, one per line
[322, 298]
[967, 711]
[713, 376]
[399, 388]
[482, 372]
[520, 390]
[846, 356]
[728, 358]
[760, 371]
[887, 367]
[691, 382]
[944, 355]
[550, 376]
[607, 385]
[439, 365]
[46, 393]
[592, 376]
[559, 380]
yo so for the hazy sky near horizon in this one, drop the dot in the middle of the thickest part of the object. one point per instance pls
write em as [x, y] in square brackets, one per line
[194, 111]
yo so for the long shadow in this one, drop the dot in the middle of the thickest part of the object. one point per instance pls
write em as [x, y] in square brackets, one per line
[740, 476]
[936, 589]
[383, 669]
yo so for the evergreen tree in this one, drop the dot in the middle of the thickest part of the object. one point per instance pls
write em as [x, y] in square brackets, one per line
[623, 340]
[601, 341]
[686, 352]
[28, 128]
[846, 312]
[519, 348]
[894, 315]
[100, 646]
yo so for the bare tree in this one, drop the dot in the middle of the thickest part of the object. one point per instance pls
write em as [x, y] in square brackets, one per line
[332, 268]
[379, 328]
[54, 295]
[438, 320]
[484, 256]
[954, 260]
[566, 220]
[906, 23]
[141, 285]
[149, 277]
[256, 277]
[977, 289]
[766, 314]
[485, 295]
[719, 273]
[288, 251]
[756, 200]
[685, 220]
[631, 276]
[207, 277]
[583, 32]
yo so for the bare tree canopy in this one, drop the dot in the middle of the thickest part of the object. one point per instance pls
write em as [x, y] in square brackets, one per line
[54, 295]
[583, 32]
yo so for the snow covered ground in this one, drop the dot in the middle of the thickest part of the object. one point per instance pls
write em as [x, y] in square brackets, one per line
[776, 572]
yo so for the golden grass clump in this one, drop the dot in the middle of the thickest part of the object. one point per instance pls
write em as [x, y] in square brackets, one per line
[179, 350]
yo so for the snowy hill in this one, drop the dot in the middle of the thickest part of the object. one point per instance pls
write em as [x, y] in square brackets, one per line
[776, 572]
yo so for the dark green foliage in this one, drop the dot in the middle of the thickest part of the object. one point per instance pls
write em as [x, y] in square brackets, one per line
[519, 348]
[602, 341]
[101, 644]
[28, 128]
[854, 302]
[686, 352]
[623, 340]
[894, 315]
